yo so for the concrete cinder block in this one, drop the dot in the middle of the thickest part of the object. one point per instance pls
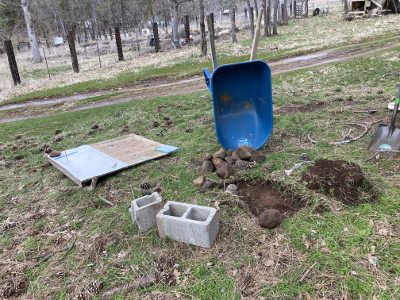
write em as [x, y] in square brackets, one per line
[188, 223]
[144, 210]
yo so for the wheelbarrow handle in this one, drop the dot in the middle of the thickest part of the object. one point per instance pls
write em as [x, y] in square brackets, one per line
[395, 109]
[207, 76]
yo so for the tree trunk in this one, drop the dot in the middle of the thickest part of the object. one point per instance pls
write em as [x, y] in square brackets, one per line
[266, 29]
[291, 8]
[31, 32]
[279, 15]
[95, 30]
[285, 13]
[268, 19]
[113, 14]
[233, 23]
[275, 28]
[306, 9]
[175, 21]
[256, 8]
[251, 14]
[346, 5]
[203, 31]
[123, 17]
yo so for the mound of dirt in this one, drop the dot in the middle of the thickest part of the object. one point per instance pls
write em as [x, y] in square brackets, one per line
[260, 196]
[341, 179]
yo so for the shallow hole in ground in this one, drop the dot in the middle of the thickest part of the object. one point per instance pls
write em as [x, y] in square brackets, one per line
[341, 179]
[262, 195]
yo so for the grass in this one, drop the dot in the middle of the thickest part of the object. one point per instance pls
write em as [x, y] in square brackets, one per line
[340, 241]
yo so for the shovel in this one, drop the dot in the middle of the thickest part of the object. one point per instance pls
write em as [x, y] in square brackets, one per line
[387, 138]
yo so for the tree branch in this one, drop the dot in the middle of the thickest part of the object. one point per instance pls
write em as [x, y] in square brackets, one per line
[10, 3]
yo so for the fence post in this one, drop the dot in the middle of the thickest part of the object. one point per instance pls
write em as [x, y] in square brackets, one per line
[74, 58]
[156, 37]
[187, 30]
[12, 62]
[119, 44]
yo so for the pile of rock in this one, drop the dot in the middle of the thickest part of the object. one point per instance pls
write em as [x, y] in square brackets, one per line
[225, 162]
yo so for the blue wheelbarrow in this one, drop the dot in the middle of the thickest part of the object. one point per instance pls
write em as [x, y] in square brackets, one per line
[242, 101]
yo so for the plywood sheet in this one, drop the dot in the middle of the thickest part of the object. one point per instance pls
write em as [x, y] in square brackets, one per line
[107, 157]
[131, 149]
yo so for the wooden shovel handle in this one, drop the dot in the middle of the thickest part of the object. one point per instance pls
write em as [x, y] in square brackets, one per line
[256, 36]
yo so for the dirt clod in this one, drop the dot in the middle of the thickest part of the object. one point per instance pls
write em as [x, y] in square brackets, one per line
[207, 167]
[155, 124]
[188, 130]
[58, 138]
[270, 218]
[260, 196]
[145, 185]
[341, 179]
[304, 156]
[55, 153]
[18, 137]
[8, 164]
[166, 118]
[57, 131]
[208, 185]
[225, 171]
[221, 153]
[95, 126]
[319, 209]
[18, 156]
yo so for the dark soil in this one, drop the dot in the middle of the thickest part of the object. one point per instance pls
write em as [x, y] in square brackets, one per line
[300, 108]
[260, 196]
[341, 179]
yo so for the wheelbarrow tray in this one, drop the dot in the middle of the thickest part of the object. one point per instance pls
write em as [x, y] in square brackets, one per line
[242, 101]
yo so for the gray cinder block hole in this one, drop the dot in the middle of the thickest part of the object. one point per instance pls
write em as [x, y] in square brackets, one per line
[198, 214]
[175, 210]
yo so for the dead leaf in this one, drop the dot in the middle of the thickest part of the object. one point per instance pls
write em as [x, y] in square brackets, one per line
[216, 205]
[307, 244]
[268, 263]
[21, 187]
[176, 193]
[371, 222]
[308, 296]
[325, 249]
[177, 274]
[383, 232]
[354, 273]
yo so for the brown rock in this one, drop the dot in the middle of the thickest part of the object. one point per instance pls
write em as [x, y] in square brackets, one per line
[235, 156]
[218, 163]
[207, 166]
[221, 153]
[55, 153]
[207, 156]
[208, 184]
[199, 181]
[229, 152]
[244, 153]
[257, 158]
[146, 192]
[225, 171]
[241, 164]
[270, 218]
[230, 160]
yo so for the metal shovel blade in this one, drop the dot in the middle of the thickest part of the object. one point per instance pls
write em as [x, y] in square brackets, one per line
[384, 139]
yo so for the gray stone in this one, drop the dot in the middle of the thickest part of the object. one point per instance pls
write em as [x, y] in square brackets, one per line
[270, 218]
[199, 181]
[207, 166]
[225, 171]
[207, 156]
[243, 152]
[257, 158]
[144, 210]
[188, 223]
[208, 184]
[235, 156]
[241, 164]
[249, 149]
[218, 163]
[229, 152]
[231, 189]
[221, 153]
[230, 160]
[146, 192]
[55, 153]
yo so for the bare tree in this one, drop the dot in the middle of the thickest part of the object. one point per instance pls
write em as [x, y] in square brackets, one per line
[251, 17]
[275, 29]
[202, 30]
[266, 24]
[233, 23]
[31, 31]
[174, 10]
[256, 8]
